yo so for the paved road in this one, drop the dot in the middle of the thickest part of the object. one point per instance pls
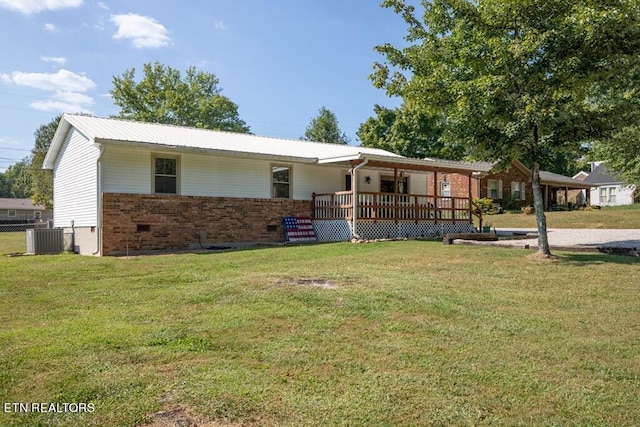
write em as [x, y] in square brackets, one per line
[577, 238]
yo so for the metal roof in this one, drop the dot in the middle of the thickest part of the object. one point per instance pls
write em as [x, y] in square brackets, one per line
[118, 131]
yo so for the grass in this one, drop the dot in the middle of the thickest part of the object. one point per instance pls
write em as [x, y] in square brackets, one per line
[412, 333]
[618, 217]
[14, 242]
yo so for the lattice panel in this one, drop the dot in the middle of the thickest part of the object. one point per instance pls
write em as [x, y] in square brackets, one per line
[338, 230]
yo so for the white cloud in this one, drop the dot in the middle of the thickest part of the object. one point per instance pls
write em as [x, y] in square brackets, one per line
[51, 28]
[55, 106]
[220, 26]
[62, 80]
[102, 5]
[55, 59]
[27, 7]
[142, 30]
[68, 88]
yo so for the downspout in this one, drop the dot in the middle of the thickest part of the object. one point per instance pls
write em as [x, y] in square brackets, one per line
[99, 202]
[354, 202]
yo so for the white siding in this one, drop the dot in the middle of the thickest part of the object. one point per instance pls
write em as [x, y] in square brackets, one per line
[127, 170]
[75, 183]
[206, 175]
[308, 179]
[623, 195]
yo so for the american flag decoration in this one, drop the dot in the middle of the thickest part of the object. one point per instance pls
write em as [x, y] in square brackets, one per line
[298, 229]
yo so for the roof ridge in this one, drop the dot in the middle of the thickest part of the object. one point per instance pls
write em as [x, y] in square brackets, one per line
[172, 125]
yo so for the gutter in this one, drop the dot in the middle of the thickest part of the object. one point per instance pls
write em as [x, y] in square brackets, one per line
[99, 202]
[354, 202]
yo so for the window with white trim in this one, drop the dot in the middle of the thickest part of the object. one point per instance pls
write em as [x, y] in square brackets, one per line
[166, 174]
[37, 214]
[517, 190]
[281, 182]
[11, 213]
[494, 189]
[607, 194]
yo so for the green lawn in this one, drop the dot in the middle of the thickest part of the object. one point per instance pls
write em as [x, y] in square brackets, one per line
[408, 333]
[13, 243]
[611, 217]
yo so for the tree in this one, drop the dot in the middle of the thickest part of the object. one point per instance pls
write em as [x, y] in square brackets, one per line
[406, 132]
[622, 154]
[324, 128]
[41, 179]
[17, 180]
[518, 79]
[164, 96]
[5, 186]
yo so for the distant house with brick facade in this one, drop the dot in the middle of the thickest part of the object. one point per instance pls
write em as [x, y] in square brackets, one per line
[511, 188]
[121, 186]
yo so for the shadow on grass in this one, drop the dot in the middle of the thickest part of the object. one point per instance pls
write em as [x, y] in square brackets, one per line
[585, 258]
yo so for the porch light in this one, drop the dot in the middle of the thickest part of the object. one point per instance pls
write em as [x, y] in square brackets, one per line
[367, 180]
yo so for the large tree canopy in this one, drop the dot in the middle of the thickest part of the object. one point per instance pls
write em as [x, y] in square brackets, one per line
[518, 79]
[164, 96]
[324, 128]
[408, 133]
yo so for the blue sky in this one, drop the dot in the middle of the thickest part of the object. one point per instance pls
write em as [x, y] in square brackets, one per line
[279, 60]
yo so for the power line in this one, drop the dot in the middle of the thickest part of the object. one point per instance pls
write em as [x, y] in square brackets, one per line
[14, 149]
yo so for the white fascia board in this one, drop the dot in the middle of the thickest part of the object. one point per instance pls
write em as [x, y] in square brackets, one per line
[208, 151]
[56, 144]
[340, 159]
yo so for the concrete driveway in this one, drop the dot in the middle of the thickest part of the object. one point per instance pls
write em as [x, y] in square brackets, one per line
[573, 238]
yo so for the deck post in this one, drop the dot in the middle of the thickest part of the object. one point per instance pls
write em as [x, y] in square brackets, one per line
[436, 197]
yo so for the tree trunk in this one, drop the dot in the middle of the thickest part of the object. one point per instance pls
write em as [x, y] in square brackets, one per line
[538, 205]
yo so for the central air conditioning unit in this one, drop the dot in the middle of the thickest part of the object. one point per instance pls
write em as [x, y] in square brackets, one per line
[45, 241]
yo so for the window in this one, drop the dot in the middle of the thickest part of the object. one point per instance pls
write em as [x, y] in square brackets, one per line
[494, 189]
[281, 176]
[517, 190]
[347, 182]
[37, 214]
[11, 213]
[608, 195]
[386, 185]
[165, 175]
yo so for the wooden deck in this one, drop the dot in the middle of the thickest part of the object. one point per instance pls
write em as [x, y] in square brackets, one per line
[393, 206]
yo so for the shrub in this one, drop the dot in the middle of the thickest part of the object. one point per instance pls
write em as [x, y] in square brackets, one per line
[486, 206]
[527, 210]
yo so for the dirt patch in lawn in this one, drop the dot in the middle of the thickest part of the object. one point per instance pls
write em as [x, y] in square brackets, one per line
[315, 282]
[183, 417]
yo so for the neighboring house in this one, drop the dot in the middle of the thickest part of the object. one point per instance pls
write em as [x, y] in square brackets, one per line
[124, 186]
[607, 189]
[512, 189]
[22, 211]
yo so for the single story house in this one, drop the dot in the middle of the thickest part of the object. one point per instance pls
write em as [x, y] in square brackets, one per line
[22, 211]
[122, 186]
[511, 188]
[607, 189]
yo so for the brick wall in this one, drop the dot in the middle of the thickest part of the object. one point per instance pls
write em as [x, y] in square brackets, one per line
[138, 222]
[459, 184]
[507, 177]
